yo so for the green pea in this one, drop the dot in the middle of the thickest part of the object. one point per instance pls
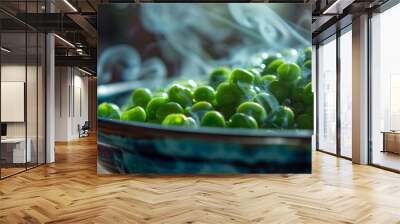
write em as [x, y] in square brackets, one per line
[153, 106]
[282, 118]
[213, 119]
[204, 93]
[308, 96]
[280, 90]
[305, 121]
[268, 101]
[227, 94]
[199, 109]
[168, 108]
[267, 79]
[141, 97]
[188, 111]
[301, 82]
[254, 110]
[231, 95]
[227, 111]
[127, 106]
[288, 72]
[180, 94]
[241, 77]
[308, 53]
[240, 120]
[257, 76]
[243, 95]
[247, 94]
[297, 94]
[134, 114]
[273, 66]
[255, 71]
[298, 107]
[309, 109]
[202, 106]
[307, 65]
[219, 76]
[177, 120]
[109, 110]
[190, 122]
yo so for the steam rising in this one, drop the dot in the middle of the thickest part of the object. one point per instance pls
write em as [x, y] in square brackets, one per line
[201, 37]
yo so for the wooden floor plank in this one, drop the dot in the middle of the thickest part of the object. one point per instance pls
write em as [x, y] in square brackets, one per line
[70, 191]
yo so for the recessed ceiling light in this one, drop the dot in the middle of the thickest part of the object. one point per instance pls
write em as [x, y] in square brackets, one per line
[5, 50]
[84, 71]
[65, 41]
[326, 11]
[70, 5]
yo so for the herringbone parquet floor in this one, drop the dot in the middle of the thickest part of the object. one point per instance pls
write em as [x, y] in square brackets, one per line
[70, 191]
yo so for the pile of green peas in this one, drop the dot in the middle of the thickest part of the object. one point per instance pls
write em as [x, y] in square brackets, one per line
[274, 94]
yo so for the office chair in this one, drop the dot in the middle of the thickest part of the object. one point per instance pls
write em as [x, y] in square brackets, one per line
[84, 130]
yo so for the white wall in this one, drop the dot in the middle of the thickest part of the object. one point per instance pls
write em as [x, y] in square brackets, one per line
[71, 94]
[80, 105]
[62, 81]
[16, 73]
[11, 73]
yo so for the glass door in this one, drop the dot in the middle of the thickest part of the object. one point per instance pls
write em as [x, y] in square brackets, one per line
[346, 92]
[385, 90]
[327, 73]
[14, 155]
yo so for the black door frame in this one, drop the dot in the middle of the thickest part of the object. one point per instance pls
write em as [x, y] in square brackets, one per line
[339, 32]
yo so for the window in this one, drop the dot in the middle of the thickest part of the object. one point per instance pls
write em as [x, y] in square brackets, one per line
[327, 96]
[346, 93]
[385, 89]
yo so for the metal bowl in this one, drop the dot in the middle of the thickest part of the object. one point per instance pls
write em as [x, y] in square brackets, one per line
[141, 148]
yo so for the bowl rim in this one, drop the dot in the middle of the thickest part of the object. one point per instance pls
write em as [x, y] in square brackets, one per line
[128, 128]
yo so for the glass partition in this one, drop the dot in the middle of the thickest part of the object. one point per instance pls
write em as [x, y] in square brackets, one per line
[385, 88]
[22, 93]
[346, 93]
[41, 96]
[13, 114]
[327, 96]
[31, 97]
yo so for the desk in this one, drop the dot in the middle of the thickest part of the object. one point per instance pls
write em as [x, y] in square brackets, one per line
[391, 141]
[16, 147]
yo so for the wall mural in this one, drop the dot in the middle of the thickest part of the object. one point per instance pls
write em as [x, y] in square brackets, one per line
[204, 88]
